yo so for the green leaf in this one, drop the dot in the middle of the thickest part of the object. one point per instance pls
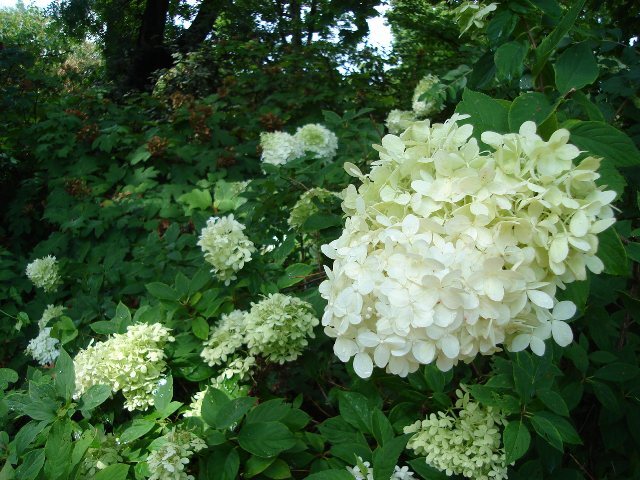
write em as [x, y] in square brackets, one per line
[516, 439]
[200, 328]
[122, 318]
[331, 475]
[294, 274]
[420, 466]
[603, 140]
[385, 458]
[212, 402]
[381, 427]
[162, 291]
[320, 221]
[119, 471]
[487, 114]
[7, 376]
[509, 59]
[562, 425]
[354, 408]
[617, 372]
[523, 382]
[233, 411]
[223, 463]
[606, 397]
[81, 445]
[266, 439]
[57, 449]
[272, 410]
[197, 199]
[612, 253]
[548, 431]
[256, 465]
[27, 434]
[549, 43]
[553, 401]
[575, 68]
[94, 396]
[140, 155]
[278, 470]
[65, 381]
[31, 465]
[138, 428]
[532, 106]
[163, 393]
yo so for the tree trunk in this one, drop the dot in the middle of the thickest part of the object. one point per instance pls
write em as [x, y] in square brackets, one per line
[201, 26]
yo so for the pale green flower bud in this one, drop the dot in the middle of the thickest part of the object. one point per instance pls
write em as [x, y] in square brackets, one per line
[44, 273]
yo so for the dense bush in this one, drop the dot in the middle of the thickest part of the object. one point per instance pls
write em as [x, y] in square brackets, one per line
[188, 273]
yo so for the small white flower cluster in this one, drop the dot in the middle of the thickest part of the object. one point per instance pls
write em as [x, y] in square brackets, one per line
[132, 362]
[318, 140]
[306, 206]
[469, 14]
[44, 273]
[276, 328]
[169, 459]
[363, 471]
[467, 444]
[430, 87]
[51, 312]
[399, 120]
[44, 348]
[279, 148]
[225, 246]
[449, 252]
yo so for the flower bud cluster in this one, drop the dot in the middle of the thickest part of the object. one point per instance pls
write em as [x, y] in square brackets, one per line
[50, 313]
[276, 328]
[132, 362]
[172, 455]
[306, 205]
[279, 148]
[44, 273]
[428, 96]
[44, 348]
[225, 246]
[364, 471]
[449, 252]
[465, 442]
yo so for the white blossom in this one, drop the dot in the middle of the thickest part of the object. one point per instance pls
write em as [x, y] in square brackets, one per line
[50, 313]
[132, 362]
[428, 97]
[44, 348]
[44, 273]
[449, 252]
[225, 246]
[169, 459]
[399, 120]
[318, 140]
[364, 471]
[225, 339]
[279, 326]
[279, 148]
[463, 441]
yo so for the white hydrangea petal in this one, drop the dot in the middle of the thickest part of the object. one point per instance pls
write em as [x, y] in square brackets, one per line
[363, 365]
[562, 333]
[564, 310]
[540, 298]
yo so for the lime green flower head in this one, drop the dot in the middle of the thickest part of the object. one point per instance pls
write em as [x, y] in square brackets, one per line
[44, 273]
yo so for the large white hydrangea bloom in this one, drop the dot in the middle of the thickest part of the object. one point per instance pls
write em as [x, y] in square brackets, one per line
[399, 120]
[318, 140]
[225, 246]
[279, 326]
[433, 103]
[449, 252]
[364, 471]
[279, 148]
[132, 362]
[44, 273]
[225, 339]
[169, 460]
[466, 441]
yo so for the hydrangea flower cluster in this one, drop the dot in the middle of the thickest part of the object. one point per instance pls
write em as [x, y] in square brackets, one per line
[277, 327]
[132, 362]
[225, 246]
[169, 459]
[399, 120]
[318, 140]
[363, 471]
[449, 252]
[44, 273]
[467, 443]
[431, 88]
[469, 14]
[279, 148]
[50, 313]
[306, 206]
[44, 348]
